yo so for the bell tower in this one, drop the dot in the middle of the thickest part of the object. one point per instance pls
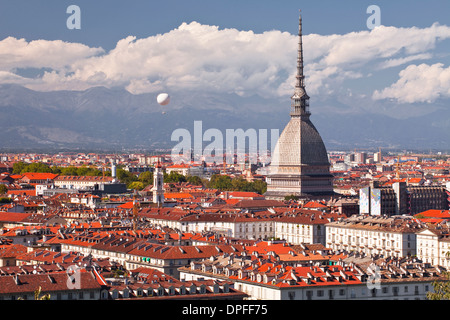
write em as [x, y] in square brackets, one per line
[158, 185]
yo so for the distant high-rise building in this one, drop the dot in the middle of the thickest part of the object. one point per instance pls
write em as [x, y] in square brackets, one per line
[349, 158]
[361, 157]
[401, 198]
[300, 164]
[377, 157]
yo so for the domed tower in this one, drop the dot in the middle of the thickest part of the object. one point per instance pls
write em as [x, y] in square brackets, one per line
[300, 164]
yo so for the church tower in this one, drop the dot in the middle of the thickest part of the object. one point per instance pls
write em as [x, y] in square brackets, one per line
[158, 185]
[300, 164]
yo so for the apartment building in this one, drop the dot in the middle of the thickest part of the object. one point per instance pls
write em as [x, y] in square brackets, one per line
[151, 284]
[80, 182]
[293, 225]
[263, 278]
[433, 244]
[389, 236]
[88, 286]
[303, 226]
[401, 198]
[133, 252]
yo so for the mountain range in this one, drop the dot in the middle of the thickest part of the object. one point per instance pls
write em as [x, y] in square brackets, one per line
[113, 119]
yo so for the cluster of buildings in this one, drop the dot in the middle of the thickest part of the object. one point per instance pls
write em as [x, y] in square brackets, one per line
[330, 226]
[239, 246]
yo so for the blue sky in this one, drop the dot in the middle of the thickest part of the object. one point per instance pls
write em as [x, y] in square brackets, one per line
[245, 47]
[105, 22]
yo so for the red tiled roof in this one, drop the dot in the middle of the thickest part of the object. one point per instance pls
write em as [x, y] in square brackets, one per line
[12, 251]
[13, 216]
[49, 283]
[27, 192]
[127, 205]
[183, 252]
[314, 204]
[442, 214]
[243, 194]
[16, 176]
[180, 195]
[232, 201]
[296, 276]
[39, 175]
[432, 220]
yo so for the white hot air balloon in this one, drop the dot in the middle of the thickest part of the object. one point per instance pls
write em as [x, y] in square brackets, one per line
[163, 99]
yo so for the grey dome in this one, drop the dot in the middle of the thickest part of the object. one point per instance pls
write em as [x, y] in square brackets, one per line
[299, 144]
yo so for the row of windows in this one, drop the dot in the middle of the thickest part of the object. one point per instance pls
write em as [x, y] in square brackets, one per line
[364, 291]
[80, 295]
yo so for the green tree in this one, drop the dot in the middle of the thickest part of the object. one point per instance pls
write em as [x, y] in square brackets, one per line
[240, 184]
[226, 183]
[441, 288]
[125, 176]
[91, 171]
[174, 177]
[3, 189]
[291, 197]
[83, 171]
[38, 296]
[146, 178]
[195, 180]
[221, 182]
[259, 186]
[21, 167]
[37, 167]
[136, 185]
[18, 167]
[56, 170]
[69, 171]
[5, 200]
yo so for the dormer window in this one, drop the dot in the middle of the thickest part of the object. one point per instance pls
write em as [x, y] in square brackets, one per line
[182, 290]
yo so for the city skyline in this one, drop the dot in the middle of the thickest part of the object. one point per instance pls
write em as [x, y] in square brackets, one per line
[99, 98]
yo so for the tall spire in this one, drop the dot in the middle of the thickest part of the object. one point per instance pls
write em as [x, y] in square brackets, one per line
[300, 100]
[300, 77]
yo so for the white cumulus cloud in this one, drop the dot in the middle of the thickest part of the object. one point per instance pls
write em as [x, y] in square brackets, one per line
[204, 57]
[419, 83]
[55, 54]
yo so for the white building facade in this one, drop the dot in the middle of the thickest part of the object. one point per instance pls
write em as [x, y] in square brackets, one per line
[371, 236]
[433, 246]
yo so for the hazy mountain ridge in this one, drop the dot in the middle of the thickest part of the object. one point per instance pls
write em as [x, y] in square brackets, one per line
[115, 119]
